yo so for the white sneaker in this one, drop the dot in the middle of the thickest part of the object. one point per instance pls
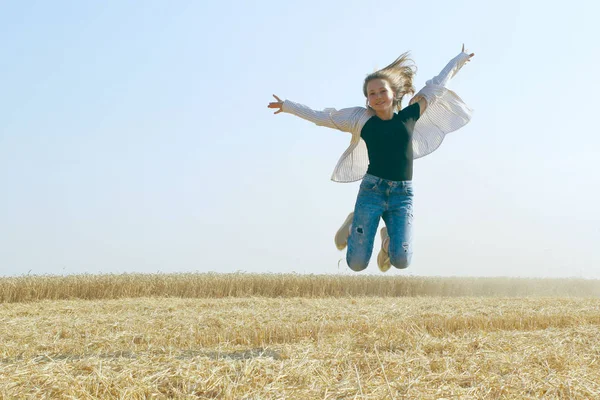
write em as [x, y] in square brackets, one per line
[383, 258]
[341, 236]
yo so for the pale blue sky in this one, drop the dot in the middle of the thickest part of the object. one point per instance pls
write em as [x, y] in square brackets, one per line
[135, 135]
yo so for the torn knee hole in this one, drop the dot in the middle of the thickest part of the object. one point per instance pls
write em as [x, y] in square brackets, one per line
[359, 230]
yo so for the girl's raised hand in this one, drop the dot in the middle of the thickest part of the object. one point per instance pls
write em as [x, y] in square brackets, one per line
[276, 104]
[470, 55]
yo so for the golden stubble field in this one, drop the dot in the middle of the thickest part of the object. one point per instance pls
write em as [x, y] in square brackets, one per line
[299, 345]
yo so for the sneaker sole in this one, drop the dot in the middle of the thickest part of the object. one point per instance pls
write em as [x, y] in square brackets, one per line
[383, 259]
[383, 262]
[341, 236]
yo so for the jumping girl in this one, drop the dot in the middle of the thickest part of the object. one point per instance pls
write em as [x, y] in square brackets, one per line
[385, 141]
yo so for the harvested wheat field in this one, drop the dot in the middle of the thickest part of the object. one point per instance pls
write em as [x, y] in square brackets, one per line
[243, 336]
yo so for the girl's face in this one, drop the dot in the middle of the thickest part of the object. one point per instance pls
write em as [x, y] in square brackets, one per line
[380, 94]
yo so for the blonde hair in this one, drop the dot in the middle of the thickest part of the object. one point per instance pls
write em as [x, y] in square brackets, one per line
[399, 75]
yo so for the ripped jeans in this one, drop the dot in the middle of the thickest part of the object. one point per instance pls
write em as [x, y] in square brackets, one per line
[392, 201]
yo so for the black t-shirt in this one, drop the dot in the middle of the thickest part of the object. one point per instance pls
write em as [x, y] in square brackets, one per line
[389, 144]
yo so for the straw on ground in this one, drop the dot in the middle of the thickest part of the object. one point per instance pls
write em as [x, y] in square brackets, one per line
[327, 347]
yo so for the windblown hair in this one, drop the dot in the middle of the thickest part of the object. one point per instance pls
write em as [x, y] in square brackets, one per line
[399, 75]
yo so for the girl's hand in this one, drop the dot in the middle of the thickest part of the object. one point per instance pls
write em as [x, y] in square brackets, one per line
[470, 55]
[276, 104]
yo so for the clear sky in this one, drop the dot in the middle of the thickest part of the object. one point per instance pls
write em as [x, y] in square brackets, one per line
[135, 137]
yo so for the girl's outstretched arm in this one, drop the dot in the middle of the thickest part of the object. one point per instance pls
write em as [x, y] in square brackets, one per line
[427, 93]
[346, 120]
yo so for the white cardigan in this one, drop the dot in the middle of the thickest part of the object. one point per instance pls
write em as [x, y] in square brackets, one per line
[445, 112]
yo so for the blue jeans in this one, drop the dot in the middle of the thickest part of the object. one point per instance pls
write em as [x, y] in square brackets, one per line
[392, 201]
